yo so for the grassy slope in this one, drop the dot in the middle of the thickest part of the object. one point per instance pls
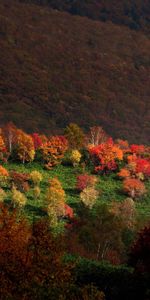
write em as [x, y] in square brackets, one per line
[110, 189]
[69, 68]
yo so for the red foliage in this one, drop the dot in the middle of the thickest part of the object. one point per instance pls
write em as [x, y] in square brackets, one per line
[85, 180]
[36, 140]
[105, 156]
[20, 180]
[68, 211]
[143, 166]
[137, 149]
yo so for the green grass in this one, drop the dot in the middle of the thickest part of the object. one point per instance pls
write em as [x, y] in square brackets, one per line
[109, 186]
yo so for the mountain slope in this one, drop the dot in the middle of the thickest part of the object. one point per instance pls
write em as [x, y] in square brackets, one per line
[57, 68]
[133, 13]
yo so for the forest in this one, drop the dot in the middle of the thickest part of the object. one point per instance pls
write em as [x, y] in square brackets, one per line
[74, 216]
[72, 69]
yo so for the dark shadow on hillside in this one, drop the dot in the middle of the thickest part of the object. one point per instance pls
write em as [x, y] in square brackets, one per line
[72, 192]
[35, 210]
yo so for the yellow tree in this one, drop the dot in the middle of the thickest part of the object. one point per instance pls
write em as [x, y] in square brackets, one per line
[55, 199]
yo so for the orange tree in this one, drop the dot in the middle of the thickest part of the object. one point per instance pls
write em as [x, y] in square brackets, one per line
[25, 147]
[53, 150]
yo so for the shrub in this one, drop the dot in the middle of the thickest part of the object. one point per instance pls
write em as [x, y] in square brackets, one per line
[84, 181]
[36, 177]
[89, 196]
[75, 157]
[18, 198]
[134, 187]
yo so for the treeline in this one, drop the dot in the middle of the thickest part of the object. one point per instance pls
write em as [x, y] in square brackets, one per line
[135, 14]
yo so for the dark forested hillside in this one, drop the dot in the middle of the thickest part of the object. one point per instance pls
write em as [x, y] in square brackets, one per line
[57, 68]
[133, 13]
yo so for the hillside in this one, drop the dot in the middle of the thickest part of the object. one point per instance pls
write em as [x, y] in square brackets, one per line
[135, 14]
[57, 68]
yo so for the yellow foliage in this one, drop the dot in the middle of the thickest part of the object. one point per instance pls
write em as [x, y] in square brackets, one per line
[56, 197]
[75, 157]
[89, 196]
[36, 177]
[18, 198]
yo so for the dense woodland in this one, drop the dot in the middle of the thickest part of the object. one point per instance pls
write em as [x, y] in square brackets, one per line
[72, 69]
[74, 216]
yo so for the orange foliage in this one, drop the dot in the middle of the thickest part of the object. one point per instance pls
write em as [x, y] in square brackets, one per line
[134, 187]
[3, 172]
[105, 155]
[53, 150]
[124, 173]
[25, 146]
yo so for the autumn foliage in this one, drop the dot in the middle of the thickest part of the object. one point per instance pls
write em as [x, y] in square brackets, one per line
[53, 150]
[134, 187]
[105, 156]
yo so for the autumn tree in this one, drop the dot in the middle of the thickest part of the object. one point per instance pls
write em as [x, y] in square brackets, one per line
[53, 150]
[74, 135]
[95, 233]
[31, 260]
[96, 136]
[25, 147]
[9, 133]
[55, 199]
[134, 187]
[105, 156]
